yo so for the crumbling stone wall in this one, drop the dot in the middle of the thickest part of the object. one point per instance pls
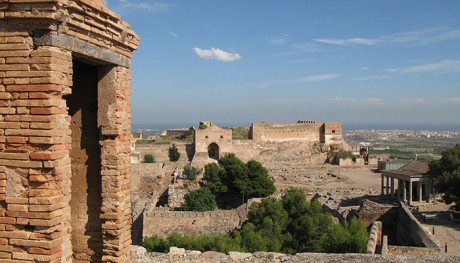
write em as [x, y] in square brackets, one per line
[375, 238]
[163, 223]
[40, 41]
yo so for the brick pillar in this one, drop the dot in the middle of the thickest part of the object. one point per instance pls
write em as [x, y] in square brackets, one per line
[34, 157]
[115, 121]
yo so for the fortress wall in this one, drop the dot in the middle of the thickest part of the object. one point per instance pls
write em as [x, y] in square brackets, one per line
[245, 150]
[164, 223]
[285, 132]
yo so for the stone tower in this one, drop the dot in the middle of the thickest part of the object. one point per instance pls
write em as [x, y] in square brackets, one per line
[64, 132]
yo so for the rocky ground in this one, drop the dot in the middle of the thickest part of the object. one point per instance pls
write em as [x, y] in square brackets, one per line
[140, 255]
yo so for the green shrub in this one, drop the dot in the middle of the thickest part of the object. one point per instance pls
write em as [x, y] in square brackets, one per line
[156, 244]
[173, 153]
[148, 158]
[191, 172]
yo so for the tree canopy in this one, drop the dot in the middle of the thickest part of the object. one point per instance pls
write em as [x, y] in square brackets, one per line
[445, 173]
[232, 181]
[199, 200]
[290, 225]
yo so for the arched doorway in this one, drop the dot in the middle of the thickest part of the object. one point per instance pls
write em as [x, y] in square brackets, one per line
[213, 151]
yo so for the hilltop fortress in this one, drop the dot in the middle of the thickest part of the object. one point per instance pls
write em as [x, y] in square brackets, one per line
[211, 141]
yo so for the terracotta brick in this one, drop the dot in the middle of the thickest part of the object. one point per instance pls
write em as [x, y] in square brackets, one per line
[6, 255]
[17, 200]
[16, 139]
[15, 234]
[23, 164]
[47, 155]
[39, 178]
[22, 221]
[7, 220]
[36, 87]
[47, 111]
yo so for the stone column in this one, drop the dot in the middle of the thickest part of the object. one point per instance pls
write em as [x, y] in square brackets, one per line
[410, 191]
[419, 190]
[404, 192]
[382, 186]
[387, 187]
[392, 186]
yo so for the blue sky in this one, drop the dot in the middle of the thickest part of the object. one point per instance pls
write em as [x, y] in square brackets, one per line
[357, 62]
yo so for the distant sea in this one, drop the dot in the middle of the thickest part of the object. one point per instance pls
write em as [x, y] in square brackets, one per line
[346, 126]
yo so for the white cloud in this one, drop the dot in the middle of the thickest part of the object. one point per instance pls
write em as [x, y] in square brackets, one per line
[443, 66]
[365, 78]
[316, 78]
[412, 38]
[412, 100]
[347, 42]
[358, 100]
[277, 40]
[174, 35]
[454, 100]
[306, 47]
[217, 54]
[285, 83]
[135, 6]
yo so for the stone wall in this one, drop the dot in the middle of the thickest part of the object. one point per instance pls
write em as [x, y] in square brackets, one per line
[411, 232]
[375, 238]
[41, 43]
[328, 133]
[285, 132]
[163, 223]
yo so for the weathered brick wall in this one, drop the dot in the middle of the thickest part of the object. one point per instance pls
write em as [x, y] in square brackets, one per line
[34, 143]
[39, 42]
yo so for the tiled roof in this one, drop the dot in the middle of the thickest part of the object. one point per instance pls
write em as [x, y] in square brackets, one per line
[416, 167]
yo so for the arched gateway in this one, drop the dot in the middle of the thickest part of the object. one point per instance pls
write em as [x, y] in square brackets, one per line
[213, 151]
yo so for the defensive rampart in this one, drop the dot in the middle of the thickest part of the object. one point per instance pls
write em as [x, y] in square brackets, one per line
[327, 133]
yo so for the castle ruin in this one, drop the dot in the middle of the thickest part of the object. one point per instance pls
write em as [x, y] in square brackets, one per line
[211, 141]
[64, 132]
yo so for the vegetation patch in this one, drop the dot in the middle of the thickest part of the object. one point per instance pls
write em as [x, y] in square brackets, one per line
[290, 225]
